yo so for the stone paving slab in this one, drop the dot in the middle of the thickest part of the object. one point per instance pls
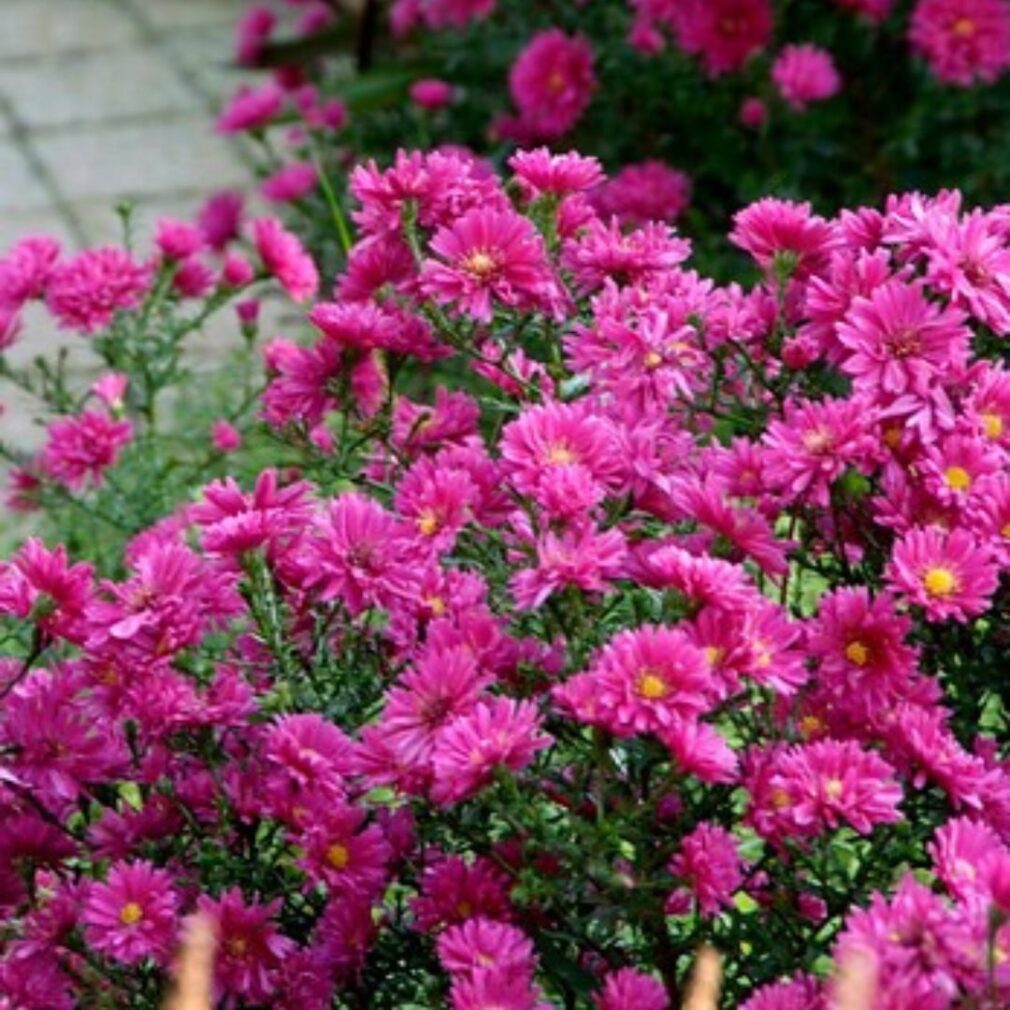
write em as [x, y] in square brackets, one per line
[20, 187]
[32, 28]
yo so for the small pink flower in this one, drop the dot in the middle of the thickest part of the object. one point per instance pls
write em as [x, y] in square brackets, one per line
[753, 113]
[178, 240]
[111, 388]
[80, 449]
[709, 864]
[805, 74]
[84, 293]
[628, 989]
[250, 109]
[285, 257]
[552, 82]
[950, 575]
[648, 191]
[290, 183]
[225, 436]
[133, 915]
[724, 33]
[431, 94]
[963, 41]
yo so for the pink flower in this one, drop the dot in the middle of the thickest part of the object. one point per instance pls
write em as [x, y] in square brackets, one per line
[820, 786]
[454, 13]
[815, 443]
[802, 992]
[753, 113]
[111, 388]
[644, 680]
[724, 33]
[290, 183]
[220, 216]
[777, 231]
[962, 40]
[540, 172]
[357, 552]
[484, 944]
[178, 240]
[805, 74]
[80, 449]
[453, 890]
[254, 29]
[133, 915]
[949, 575]
[25, 270]
[648, 191]
[898, 342]
[285, 258]
[348, 858]
[587, 559]
[490, 256]
[85, 292]
[250, 108]
[708, 862]
[224, 436]
[498, 990]
[552, 82]
[250, 950]
[628, 989]
[499, 733]
[431, 94]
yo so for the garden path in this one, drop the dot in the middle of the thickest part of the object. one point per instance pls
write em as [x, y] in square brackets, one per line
[103, 101]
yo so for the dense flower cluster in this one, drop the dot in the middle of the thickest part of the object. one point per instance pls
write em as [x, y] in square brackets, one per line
[587, 609]
[840, 102]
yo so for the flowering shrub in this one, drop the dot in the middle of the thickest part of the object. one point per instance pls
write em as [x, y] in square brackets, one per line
[837, 102]
[585, 609]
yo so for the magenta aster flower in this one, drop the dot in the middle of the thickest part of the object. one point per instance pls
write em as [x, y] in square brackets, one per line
[898, 341]
[480, 943]
[133, 915]
[644, 680]
[950, 575]
[781, 231]
[453, 890]
[251, 108]
[348, 858]
[963, 41]
[802, 992]
[628, 989]
[80, 449]
[805, 74]
[724, 33]
[709, 865]
[644, 192]
[250, 950]
[539, 172]
[284, 256]
[85, 292]
[498, 990]
[490, 256]
[552, 82]
[498, 733]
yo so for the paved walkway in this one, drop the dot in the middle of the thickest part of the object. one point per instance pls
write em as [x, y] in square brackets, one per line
[103, 101]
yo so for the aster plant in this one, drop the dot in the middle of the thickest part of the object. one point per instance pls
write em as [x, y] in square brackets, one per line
[551, 611]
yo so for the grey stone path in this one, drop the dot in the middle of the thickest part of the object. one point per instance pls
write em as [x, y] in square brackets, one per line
[103, 101]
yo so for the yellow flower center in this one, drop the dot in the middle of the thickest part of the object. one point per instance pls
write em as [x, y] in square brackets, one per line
[436, 605]
[237, 946]
[556, 82]
[992, 425]
[809, 725]
[427, 523]
[651, 685]
[1005, 530]
[652, 359]
[957, 478]
[817, 441]
[337, 856]
[856, 652]
[561, 454]
[779, 798]
[480, 263]
[130, 914]
[833, 788]
[714, 654]
[964, 28]
[939, 581]
[892, 437]
[464, 909]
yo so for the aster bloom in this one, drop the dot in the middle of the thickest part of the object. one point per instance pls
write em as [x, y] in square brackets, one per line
[628, 989]
[782, 232]
[820, 786]
[292, 182]
[484, 944]
[814, 444]
[349, 858]
[285, 258]
[709, 865]
[963, 41]
[541, 173]
[802, 992]
[644, 680]
[965, 854]
[950, 575]
[498, 733]
[455, 13]
[552, 82]
[133, 914]
[250, 950]
[453, 890]
[805, 74]
[490, 256]
[358, 553]
[84, 293]
[431, 94]
[490, 988]
[644, 192]
[724, 33]
[80, 449]
[25, 269]
[250, 109]
[897, 341]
